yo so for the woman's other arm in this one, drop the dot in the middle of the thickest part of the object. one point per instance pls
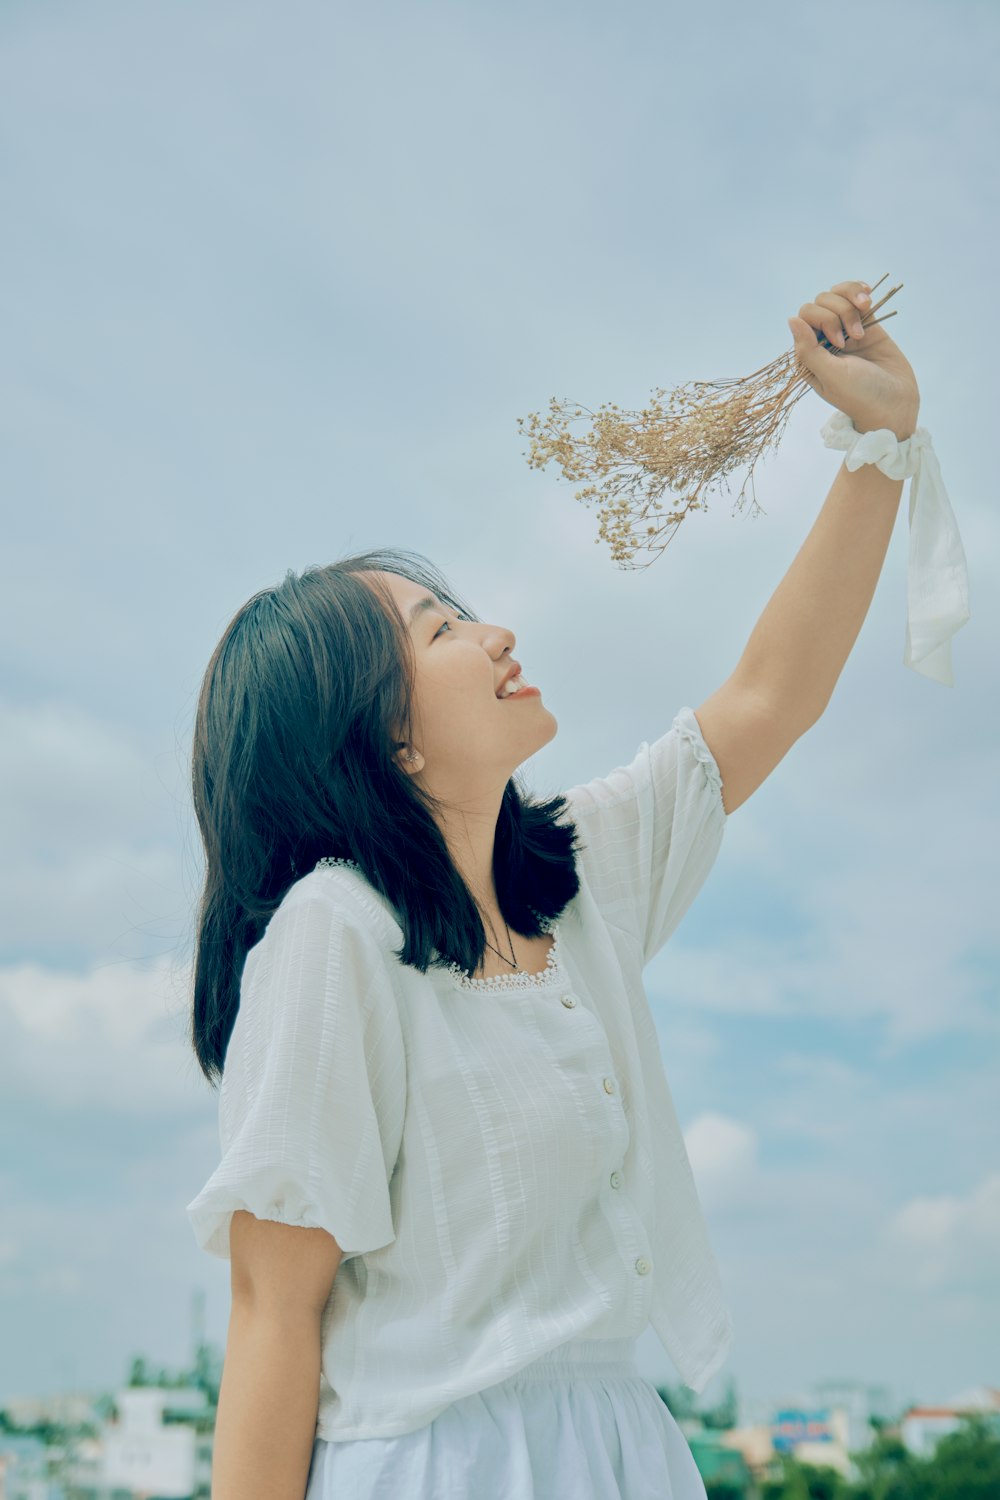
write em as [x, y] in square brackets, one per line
[282, 1275]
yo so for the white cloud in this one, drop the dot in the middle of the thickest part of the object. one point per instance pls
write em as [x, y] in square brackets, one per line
[948, 1241]
[110, 1039]
[69, 780]
[723, 1154]
[90, 821]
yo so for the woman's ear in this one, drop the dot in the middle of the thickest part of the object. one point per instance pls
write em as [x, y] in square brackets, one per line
[410, 759]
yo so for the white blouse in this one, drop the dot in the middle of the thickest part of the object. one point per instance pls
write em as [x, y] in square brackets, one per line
[499, 1159]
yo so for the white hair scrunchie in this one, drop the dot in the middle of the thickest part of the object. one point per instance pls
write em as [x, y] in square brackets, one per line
[937, 580]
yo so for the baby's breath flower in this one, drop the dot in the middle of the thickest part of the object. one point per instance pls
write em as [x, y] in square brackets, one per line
[688, 444]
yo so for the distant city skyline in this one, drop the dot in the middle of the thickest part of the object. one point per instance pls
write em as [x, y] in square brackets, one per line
[155, 1432]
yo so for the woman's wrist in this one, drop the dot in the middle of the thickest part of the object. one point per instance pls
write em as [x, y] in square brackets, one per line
[903, 424]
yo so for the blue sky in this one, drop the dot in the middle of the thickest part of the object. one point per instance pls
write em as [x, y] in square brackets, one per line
[280, 282]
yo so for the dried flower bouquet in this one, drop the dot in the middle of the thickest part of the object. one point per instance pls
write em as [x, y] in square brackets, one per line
[687, 445]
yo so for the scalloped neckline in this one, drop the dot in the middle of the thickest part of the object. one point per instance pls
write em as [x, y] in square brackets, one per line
[493, 983]
[504, 983]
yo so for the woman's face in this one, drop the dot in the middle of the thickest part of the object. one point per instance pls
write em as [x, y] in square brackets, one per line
[469, 741]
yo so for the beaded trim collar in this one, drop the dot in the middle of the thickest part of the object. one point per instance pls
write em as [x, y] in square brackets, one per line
[505, 982]
[495, 982]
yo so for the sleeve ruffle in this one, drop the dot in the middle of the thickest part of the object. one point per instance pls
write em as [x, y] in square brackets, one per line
[280, 1197]
[686, 724]
[651, 831]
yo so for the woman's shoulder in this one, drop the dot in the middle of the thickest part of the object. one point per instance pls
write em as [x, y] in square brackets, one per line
[331, 913]
[342, 884]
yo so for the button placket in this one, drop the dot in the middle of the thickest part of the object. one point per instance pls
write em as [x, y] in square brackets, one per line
[643, 1264]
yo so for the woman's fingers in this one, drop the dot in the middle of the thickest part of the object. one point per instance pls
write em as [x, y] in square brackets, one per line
[838, 311]
[832, 315]
[855, 293]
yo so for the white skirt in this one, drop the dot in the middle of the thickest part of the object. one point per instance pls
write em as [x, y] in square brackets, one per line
[580, 1423]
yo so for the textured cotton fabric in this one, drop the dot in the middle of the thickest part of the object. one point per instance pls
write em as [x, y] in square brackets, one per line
[499, 1159]
[580, 1423]
[937, 575]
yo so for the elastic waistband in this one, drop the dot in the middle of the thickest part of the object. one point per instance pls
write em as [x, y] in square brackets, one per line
[581, 1357]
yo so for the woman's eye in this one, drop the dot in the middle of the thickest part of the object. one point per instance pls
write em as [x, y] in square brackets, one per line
[448, 623]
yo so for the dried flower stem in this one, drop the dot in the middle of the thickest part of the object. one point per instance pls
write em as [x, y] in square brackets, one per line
[687, 445]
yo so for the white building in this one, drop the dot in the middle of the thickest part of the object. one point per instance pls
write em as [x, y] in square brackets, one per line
[922, 1427]
[142, 1453]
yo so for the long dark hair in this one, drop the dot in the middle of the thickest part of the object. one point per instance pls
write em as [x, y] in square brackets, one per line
[294, 758]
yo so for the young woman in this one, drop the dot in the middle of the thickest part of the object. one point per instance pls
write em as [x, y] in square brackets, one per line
[453, 1188]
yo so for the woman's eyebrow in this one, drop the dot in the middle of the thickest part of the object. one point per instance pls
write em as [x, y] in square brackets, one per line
[420, 606]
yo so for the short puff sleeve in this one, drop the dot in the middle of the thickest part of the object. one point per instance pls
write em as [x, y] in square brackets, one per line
[313, 1091]
[651, 831]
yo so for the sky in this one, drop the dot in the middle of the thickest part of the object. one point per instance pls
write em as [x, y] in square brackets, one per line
[280, 282]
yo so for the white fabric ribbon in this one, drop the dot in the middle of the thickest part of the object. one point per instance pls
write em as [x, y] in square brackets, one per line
[937, 582]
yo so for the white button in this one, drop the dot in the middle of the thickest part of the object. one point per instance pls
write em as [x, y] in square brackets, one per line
[568, 1001]
[643, 1266]
[609, 1085]
[616, 1179]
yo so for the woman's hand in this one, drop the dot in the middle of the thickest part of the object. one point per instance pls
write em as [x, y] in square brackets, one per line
[872, 382]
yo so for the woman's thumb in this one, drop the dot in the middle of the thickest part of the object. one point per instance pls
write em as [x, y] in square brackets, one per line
[810, 352]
